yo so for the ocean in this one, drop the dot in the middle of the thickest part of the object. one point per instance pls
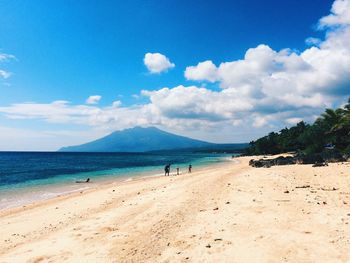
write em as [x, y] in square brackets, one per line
[26, 177]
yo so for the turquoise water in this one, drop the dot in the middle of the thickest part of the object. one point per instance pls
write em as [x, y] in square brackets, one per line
[29, 177]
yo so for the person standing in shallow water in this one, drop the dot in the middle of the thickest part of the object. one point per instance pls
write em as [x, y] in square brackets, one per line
[190, 168]
[167, 170]
[177, 170]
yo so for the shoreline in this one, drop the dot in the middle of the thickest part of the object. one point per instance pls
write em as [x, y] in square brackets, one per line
[46, 192]
[226, 212]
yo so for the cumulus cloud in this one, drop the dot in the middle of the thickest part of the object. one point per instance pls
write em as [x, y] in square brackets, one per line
[275, 79]
[340, 15]
[157, 63]
[196, 103]
[284, 80]
[94, 99]
[203, 71]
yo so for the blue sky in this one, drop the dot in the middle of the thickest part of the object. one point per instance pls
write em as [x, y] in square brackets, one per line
[58, 53]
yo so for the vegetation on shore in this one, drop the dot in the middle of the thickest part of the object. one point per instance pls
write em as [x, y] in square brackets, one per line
[330, 132]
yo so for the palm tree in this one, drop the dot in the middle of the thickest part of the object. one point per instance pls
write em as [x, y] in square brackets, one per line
[339, 120]
[347, 106]
[330, 118]
[344, 123]
[330, 121]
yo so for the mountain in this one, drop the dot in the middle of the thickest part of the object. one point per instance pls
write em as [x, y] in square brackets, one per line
[138, 140]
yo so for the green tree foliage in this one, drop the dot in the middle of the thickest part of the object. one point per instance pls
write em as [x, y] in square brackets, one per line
[330, 130]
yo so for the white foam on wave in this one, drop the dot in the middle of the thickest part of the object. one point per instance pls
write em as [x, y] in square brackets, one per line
[20, 198]
[48, 195]
[129, 179]
[152, 175]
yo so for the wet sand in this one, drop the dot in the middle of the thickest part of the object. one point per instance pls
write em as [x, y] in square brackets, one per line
[226, 213]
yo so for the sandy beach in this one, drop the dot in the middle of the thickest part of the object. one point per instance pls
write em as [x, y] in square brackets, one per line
[226, 213]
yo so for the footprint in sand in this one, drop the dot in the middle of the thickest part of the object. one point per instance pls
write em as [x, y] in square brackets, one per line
[107, 229]
[39, 259]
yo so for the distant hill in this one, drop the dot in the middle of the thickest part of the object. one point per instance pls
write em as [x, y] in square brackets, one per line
[139, 140]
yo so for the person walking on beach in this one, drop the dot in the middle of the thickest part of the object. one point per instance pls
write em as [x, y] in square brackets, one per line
[177, 170]
[190, 168]
[167, 170]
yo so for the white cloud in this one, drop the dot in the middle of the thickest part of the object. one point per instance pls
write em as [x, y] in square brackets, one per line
[196, 103]
[313, 41]
[157, 63]
[3, 58]
[116, 104]
[261, 121]
[5, 74]
[94, 99]
[6, 57]
[340, 15]
[15, 139]
[280, 81]
[203, 71]
[293, 121]
[112, 117]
